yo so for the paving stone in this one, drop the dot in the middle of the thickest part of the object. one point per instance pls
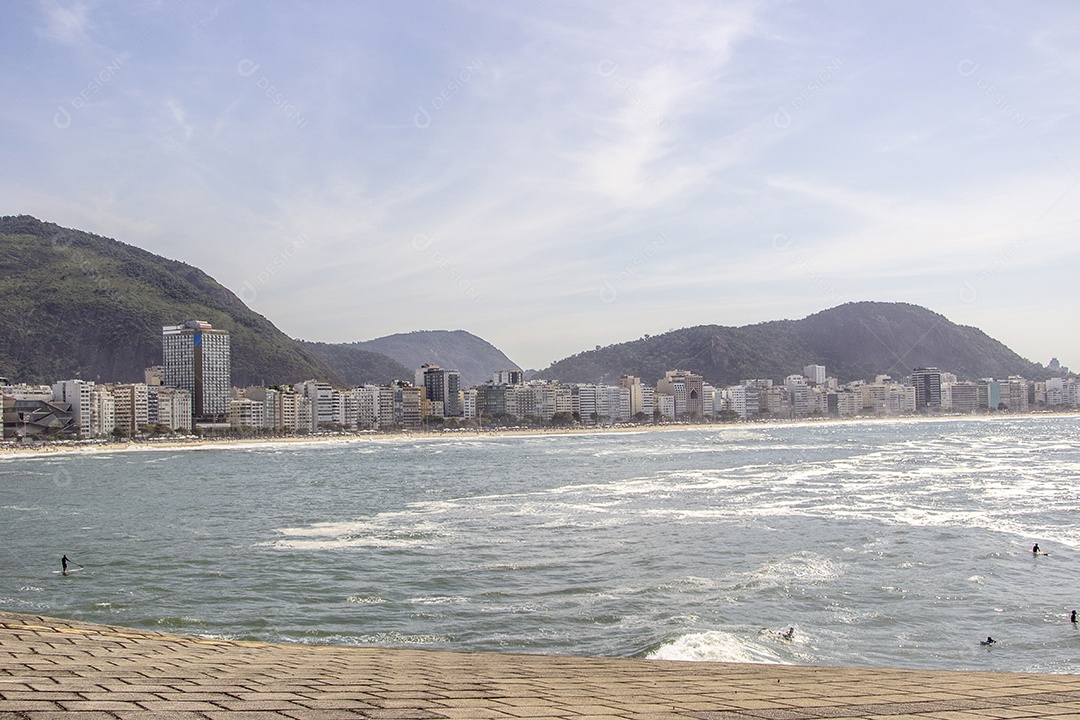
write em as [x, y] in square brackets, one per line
[76, 671]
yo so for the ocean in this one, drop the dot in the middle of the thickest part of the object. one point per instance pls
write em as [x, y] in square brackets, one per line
[887, 543]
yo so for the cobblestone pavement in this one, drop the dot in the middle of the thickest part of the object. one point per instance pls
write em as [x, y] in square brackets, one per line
[53, 668]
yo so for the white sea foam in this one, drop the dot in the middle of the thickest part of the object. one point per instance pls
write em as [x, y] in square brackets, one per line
[801, 568]
[716, 646]
[384, 530]
[438, 600]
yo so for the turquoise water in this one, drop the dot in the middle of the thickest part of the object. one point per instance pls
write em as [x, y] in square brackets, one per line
[883, 544]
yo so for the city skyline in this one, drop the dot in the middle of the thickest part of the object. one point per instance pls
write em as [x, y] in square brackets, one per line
[358, 170]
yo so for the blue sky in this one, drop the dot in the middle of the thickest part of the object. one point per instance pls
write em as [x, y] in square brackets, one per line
[555, 175]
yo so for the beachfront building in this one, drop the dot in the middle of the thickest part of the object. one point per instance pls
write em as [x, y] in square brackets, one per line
[1056, 392]
[732, 399]
[648, 400]
[102, 412]
[600, 403]
[963, 397]
[289, 410]
[927, 382]
[801, 397]
[468, 403]
[686, 388]
[1015, 394]
[197, 358]
[665, 404]
[636, 388]
[708, 400]
[246, 412]
[442, 385]
[132, 407]
[37, 419]
[539, 400]
[491, 400]
[408, 406]
[173, 406]
[847, 402]
[367, 407]
[347, 408]
[989, 394]
[79, 393]
[321, 397]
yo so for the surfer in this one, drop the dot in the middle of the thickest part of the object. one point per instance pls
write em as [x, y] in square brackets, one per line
[788, 634]
[1072, 617]
[64, 563]
[988, 641]
[1035, 550]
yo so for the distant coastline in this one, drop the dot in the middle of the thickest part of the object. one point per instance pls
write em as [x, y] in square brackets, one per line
[10, 450]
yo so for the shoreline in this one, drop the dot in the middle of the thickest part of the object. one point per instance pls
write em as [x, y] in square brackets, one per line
[10, 450]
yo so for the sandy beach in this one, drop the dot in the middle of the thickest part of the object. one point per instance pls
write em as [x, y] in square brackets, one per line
[10, 449]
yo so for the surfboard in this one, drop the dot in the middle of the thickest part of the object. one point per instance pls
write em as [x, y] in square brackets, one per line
[70, 570]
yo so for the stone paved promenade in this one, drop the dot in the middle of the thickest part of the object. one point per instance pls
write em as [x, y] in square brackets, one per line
[60, 669]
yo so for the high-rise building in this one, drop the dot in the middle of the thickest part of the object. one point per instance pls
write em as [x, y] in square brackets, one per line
[989, 394]
[102, 412]
[79, 394]
[927, 382]
[441, 385]
[815, 374]
[197, 358]
[173, 406]
[633, 384]
[321, 395]
[686, 388]
[131, 407]
[508, 377]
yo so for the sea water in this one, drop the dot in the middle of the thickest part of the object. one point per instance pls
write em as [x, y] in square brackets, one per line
[880, 543]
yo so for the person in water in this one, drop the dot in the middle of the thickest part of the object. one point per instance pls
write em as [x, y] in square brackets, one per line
[1035, 549]
[788, 634]
[1072, 617]
[988, 641]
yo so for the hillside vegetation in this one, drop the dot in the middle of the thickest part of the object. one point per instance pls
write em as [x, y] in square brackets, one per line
[73, 304]
[856, 341]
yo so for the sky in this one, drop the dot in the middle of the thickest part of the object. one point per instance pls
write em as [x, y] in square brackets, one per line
[553, 176]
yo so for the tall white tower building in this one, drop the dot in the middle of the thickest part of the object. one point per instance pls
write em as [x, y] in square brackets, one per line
[197, 358]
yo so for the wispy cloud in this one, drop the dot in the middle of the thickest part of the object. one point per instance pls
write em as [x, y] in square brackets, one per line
[791, 156]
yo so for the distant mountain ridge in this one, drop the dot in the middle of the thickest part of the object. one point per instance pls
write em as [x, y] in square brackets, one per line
[74, 304]
[78, 305]
[475, 358]
[356, 366]
[855, 341]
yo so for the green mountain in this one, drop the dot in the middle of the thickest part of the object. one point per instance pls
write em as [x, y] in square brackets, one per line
[77, 305]
[358, 367]
[475, 358]
[856, 341]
